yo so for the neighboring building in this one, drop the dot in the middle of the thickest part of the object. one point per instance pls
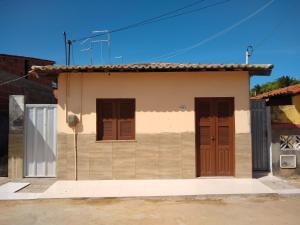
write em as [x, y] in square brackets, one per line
[35, 90]
[285, 121]
[153, 121]
[20, 66]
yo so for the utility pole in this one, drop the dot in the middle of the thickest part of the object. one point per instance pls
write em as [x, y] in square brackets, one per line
[65, 42]
[249, 52]
[69, 51]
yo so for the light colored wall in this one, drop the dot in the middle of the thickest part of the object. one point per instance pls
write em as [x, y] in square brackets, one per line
[287, 113]
[159, 97]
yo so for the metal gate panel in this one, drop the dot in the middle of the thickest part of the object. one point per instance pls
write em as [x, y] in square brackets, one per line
[259, 131]
[40, 140]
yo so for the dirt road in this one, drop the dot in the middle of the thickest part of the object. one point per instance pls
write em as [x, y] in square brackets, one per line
[204, 211]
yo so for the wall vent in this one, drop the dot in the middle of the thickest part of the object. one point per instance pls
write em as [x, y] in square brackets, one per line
[287, 161]
[290, 142]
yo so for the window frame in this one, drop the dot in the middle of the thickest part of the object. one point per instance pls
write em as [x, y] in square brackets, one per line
[117, 112]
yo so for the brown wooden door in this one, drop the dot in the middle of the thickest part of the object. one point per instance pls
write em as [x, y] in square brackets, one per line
[214, 136]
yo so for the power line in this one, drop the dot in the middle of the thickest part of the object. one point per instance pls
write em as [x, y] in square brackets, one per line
[216, 35]
[143, 21]
[161, 17]
[12, 80]
[191, 11]
[270, 34]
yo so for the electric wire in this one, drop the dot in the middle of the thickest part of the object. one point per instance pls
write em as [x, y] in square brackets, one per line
[159, 18]
[216, 35]
[262, 41]
[188, 12]
[12, 80]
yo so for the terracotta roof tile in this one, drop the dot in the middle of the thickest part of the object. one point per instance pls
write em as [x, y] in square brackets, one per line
[253, 69]
[290, 90]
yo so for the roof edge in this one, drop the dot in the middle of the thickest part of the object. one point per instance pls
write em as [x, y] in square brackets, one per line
[28, 57]
[285, 91]
[253, 69]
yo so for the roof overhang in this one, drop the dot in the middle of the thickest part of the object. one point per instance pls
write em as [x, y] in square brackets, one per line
[253, 69]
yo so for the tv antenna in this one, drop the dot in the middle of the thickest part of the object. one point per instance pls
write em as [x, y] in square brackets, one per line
[121, 58]
[107, 40]
[89, 49]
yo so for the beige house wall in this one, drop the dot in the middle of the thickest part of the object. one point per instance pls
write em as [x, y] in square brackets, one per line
[165, 123]
[159, 97]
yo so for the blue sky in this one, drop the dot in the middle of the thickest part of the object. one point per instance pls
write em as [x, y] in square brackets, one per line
[35, 27]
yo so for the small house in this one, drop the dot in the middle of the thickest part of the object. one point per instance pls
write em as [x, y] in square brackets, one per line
[153, 121]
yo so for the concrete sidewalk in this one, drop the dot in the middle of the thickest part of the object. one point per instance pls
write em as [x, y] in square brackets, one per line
[281, 186]
[9, 191]
[50, 188]
[153, 188]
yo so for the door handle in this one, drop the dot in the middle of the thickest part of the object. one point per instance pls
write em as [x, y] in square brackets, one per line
[212, 138]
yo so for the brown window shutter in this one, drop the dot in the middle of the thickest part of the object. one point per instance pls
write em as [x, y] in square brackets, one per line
[106, 119]
[126, 119]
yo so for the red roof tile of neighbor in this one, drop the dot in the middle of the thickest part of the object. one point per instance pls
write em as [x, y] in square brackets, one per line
[290, 90]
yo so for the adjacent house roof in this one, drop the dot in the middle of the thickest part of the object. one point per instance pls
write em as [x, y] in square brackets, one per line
[253, 69]
[290, 90]
[26, 57]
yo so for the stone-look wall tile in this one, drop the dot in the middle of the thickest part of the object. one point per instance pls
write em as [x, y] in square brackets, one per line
[147, 156]
[70, 158]
[188, 155]
[83, 164]
[170, 156]
[65, 165]
[15, 155]
[123, 160]
[152, 156]
[101, 161]
[243, 155]
[83, 156]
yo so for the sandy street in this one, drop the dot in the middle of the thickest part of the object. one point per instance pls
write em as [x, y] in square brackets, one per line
[228, 210]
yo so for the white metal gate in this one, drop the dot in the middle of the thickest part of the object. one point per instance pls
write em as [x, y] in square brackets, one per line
[40, 140]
